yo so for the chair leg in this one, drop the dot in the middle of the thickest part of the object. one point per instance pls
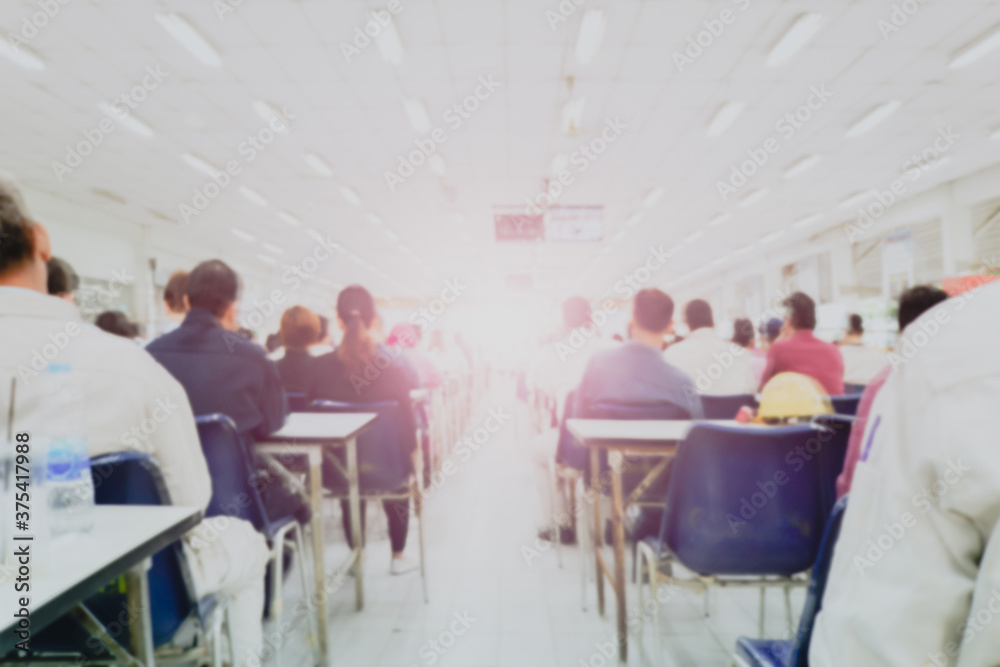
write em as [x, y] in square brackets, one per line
[313, 616]
[215, 639]
[584, 544]
[648, 557]
[556, 528]
[418, 511]
[760, 615]
[788, 609]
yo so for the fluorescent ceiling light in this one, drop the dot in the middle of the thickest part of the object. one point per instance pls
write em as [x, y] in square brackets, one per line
[772, 236]
[373, 218]
[619, 236]
[560, 161]
[270, 247]
[694, 236]
[318, 165]
[127, 120]
[315, 235]
[719, 219]
[720, 260]
[858, 197]
[350, 195]
[200, 165]
[808, 220]
[754, 197]
[388, 43]
[635, 218]
[652, 197]
[873, 118]
[745, 249]
[804, 28]
[266, 258]
[391, 235]
[357, 259]
[339, 248]
[253, 196]
[289, 218]
[588, 43]
[269, 113]
[802, 166]
[933, 164]
[436, 163]
[572, 115]
[976, 50]
[240, 234]
[724, 117]
[21, 55]
[190, 39]
[417, 113]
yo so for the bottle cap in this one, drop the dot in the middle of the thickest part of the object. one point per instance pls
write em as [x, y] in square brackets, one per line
[60, 368]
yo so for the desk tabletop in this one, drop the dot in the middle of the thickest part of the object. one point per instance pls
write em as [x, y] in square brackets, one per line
[68, 570]
[603, 432]
[322, 426]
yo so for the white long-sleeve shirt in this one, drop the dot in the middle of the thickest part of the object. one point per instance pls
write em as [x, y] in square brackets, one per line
[716, 366]
[915, 578]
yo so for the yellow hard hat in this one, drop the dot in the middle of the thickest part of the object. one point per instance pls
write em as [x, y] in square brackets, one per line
[793, 395]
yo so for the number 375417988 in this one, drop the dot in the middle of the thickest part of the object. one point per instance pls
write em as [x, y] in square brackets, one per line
[22, 478]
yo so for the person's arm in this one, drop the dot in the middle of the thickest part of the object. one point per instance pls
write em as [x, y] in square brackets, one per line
[770, 368]
[273, 403]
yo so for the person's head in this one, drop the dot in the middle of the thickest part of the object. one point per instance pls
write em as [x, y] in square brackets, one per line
[770, 330]
[743, 332]
[404, 335]
[324, 331]
[24, 243]
[652, 317]
[273, 342]
[357, 319]
[115, 322]
[855, 325]
[299, 328]
[575, 312]
[175, 293]
[62, 280]
[915, 301]
[214, 287]
[801, 312]
[698, 314]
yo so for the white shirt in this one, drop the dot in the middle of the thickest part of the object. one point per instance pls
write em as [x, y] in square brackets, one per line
[919, 550]
[558, 368]
[862, 363]
[716, 366]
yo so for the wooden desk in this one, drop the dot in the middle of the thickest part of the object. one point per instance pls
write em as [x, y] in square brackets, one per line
[306, 434]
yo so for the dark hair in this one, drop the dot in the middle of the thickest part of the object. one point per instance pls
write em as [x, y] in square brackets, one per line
[299, 328]
[771, 329]
[743, 332]
[917, 300]
[576, 312]
[855, 324]
[356, 309]
[324, 327]
[212, 286]
[698, 314]
[272, 342]
[115, 322]
[62, 278]
[802, 311]
[17, 239]
[175, 291]
[653, 310]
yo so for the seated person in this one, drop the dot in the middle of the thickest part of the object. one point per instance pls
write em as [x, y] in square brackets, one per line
[175, 303]
[115, 322]
[916, 569]
[861, 363]
[299, 330]
[406, 338]
[123, 387]
[223, 372]
[350, 374]
[743, 335]
[912, 304]
[802, 352]
[771, 332]
[716, 366]
[62, 281]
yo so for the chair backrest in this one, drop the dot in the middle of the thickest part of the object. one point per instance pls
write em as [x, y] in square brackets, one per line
[297, 401]
[134, 478]
[817, 585]
[833, 452]
[746, 500]
[234, 492]
[383, 462]
[726, 407]
[846, 404]
[854, 388]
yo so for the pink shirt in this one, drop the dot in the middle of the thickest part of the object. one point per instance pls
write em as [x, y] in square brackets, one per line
[806, 354]
[858, 431]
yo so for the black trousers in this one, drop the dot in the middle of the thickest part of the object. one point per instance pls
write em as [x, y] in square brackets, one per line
[396, 511]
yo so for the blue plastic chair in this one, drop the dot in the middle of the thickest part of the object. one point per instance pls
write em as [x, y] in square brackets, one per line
[235, 494]
[833, 453]
[795, 652]
[846, 404]
[726, 407]
[297, 401]
[739, 506]
[854, 388]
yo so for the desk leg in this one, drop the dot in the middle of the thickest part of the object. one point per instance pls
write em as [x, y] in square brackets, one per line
[618, 534]
[319, 564]
[356, 533]
[598, 537]
[141, 627]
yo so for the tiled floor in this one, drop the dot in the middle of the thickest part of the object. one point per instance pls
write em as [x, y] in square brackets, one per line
[489, 606]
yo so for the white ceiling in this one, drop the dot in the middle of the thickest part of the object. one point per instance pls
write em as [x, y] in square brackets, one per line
[287, 53]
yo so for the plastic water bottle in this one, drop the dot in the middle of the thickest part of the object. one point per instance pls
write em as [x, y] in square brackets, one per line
[69, 487]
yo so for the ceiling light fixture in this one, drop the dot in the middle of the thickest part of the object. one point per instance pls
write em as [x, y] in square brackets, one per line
[802, 166]
[417, 113]
[267, 259]
[200, 165]
[190, 39]
[719, 219]
[873, 118]
[270, 247]
[745, 249]
[289, 218]
[21, 55]
[693, 236]
[591, 36]
[858, 197]
[635, 218]
[253, 196]
[436, 163]
[724, 117]
[391, 235]
[268, 113]
[976, 50]
[808, 220]
[319, 165]
[350, 195]
[719, 260]
[240, 234]
[315, 235]
[127, 120]
[772, 236]
[388, 42]
[798, 35]
[619, 236]
[754, 197]
[572, 115]
[373, 218]
[652, 197]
